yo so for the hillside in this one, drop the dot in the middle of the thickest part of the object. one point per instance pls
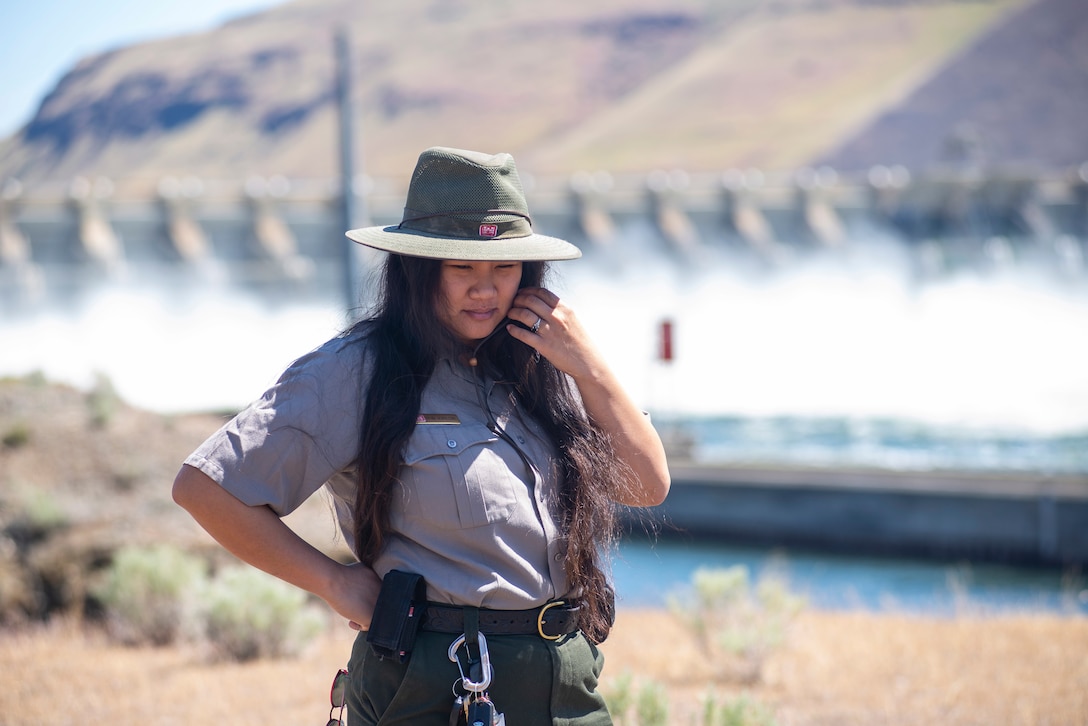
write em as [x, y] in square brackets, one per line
[81, 474]
[1012, 98]
[618, 84]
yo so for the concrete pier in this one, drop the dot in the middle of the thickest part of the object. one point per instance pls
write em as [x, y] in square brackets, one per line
[262, 228]
[1022, 518]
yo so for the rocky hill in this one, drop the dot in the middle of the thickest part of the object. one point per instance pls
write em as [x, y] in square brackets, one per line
[81, 475]
[1017, 97]
[616, 84]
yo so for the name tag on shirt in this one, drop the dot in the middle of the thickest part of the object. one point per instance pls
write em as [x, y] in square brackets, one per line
[437, 418]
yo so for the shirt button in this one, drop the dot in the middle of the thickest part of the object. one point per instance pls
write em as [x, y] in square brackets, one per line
[452, 444]
[521, 439]
[557, 557]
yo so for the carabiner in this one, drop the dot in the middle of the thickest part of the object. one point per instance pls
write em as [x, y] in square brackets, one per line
[485, 664]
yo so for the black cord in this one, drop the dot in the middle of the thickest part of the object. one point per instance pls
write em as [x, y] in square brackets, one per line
[483, 394]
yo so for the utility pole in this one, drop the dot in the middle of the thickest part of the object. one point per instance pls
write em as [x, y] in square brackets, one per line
[353, 211]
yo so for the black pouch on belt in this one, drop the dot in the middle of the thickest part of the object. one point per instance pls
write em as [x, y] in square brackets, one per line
[397, 615]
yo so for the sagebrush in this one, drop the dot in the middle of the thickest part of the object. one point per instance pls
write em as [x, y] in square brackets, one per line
[161, 595]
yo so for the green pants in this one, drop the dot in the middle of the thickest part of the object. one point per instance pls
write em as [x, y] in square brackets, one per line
[536, 682]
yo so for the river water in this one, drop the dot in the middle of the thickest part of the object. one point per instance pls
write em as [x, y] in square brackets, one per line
[648, 573]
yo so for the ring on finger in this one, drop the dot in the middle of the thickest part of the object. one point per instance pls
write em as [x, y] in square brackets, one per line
[536, 325]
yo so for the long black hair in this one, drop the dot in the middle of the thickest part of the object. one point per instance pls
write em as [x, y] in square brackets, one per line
[406, 339]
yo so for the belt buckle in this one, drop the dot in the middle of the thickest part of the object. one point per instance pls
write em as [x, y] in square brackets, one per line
[540, 620]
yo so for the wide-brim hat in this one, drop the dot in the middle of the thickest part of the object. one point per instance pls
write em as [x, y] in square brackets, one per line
[465, 205]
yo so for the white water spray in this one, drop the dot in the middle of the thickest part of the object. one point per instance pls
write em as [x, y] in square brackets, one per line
[860, 340]
[854, 341]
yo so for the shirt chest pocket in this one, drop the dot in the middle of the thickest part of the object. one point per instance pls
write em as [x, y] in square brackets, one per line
[459, 477]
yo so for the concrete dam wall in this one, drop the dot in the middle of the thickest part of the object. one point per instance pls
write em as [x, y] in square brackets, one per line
[265, 231]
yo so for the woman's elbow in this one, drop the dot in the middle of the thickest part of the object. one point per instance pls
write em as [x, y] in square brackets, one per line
[652, 490]
[188, 485]
[656, 493]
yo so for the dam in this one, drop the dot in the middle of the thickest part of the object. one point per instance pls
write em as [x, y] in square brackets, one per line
[728, 259]
[261, 231]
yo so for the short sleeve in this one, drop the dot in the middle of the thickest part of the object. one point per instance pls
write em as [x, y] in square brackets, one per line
[303, 430]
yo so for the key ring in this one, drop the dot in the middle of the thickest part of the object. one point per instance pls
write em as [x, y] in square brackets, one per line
[485, 662]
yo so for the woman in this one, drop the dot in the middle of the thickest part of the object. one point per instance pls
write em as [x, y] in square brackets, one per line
[469, 433]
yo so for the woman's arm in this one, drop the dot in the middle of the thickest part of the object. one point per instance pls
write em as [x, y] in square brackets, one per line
[259, 537]
[561, 339]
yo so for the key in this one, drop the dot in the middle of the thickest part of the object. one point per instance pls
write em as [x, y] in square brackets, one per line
[481, 712]
[458, 714]
[497, 719]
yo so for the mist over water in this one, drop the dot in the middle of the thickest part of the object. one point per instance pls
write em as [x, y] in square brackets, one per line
[810, 362]
[854, 357]
[212, 350]
[1003, 351]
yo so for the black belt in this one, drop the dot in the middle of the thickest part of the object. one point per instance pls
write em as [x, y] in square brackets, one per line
[550, 621]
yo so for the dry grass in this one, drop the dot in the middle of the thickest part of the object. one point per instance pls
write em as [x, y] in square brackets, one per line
[837, 668]
[868, 669]
[774, 89]
[64, 675]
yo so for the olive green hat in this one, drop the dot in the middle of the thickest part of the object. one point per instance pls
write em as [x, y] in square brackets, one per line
[465, 205]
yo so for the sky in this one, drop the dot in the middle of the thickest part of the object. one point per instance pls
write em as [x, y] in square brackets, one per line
[40, 40]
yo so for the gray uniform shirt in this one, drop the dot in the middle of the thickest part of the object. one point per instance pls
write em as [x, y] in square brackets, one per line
[468, 513]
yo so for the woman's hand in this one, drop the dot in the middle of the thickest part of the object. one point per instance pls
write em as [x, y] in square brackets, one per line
[556, 333]
[354, 594]
[255, 534]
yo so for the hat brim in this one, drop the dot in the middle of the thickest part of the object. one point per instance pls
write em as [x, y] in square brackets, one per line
[535, 247]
